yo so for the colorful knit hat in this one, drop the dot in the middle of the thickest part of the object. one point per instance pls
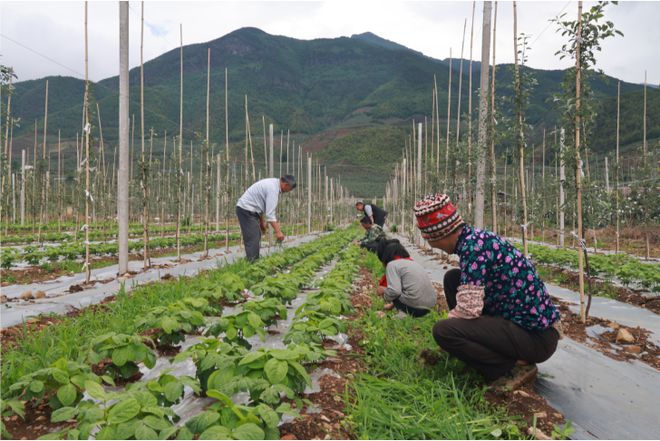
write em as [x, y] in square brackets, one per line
[436, 216]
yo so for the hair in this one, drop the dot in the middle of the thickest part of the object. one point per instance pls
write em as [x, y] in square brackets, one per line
[290, 180]
[366, 220]
[359, 203]
[389, 249]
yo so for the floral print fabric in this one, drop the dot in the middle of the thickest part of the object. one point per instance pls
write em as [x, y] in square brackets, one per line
[511, 287]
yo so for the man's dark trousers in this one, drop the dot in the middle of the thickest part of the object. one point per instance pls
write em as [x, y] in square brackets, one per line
[251, 231]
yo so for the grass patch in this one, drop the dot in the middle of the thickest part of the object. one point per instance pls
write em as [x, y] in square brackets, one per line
[402, 397]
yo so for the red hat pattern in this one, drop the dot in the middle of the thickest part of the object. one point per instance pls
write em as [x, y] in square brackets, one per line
[437, 216]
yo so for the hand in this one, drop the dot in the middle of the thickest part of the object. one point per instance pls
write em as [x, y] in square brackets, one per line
[279, 236]
[264, 229]
[388, 306]
[380, 290]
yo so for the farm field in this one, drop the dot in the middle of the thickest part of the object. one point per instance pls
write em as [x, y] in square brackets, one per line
[329, 220]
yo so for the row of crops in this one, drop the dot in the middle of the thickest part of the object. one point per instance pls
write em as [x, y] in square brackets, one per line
[73, 364]
[94, 234]
[35, 255]
[627, 269]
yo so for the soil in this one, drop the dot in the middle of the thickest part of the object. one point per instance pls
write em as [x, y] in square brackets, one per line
[641, 349]
[39, 422]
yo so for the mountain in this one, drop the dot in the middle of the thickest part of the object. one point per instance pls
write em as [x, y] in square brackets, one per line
[331, 94]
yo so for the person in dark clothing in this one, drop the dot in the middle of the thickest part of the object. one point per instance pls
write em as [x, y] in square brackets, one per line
[405, 284]
[374, 233]
[375, 213]
[501, 316]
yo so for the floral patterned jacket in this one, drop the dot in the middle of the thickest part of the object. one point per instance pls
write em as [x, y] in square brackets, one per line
[497, 280]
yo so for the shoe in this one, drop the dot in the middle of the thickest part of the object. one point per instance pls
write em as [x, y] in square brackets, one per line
[519, 376]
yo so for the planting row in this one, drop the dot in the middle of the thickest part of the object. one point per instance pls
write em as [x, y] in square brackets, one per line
[622, 266]
[97, 234]
[34, 255]
[224, 367]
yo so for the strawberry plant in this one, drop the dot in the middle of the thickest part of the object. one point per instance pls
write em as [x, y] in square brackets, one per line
[62, 383]
[277, 287]
[225, 286]
[124, 353]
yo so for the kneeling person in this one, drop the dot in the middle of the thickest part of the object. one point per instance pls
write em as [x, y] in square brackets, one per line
[407, 286]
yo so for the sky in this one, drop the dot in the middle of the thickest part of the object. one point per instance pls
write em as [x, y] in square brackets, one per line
[47, 38]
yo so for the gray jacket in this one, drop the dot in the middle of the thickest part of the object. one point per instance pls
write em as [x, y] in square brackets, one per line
[407, 281]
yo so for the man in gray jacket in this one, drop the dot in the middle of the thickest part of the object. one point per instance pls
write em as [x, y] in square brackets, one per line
[259, 201]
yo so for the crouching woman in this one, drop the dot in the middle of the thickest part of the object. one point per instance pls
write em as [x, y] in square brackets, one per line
[406, 286]
[500, 312]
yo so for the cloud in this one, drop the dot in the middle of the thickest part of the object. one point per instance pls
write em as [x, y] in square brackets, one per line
[431, 27]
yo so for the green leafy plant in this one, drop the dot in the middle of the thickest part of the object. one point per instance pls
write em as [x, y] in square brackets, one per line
[62, 383]
[239, 327]
[133, 414]
[171, 323]
[312, 327]
[168, 389]
[212, 355]
[225, 286]
[269, 310]
[7, 409]
[226, 420]
[124, 353]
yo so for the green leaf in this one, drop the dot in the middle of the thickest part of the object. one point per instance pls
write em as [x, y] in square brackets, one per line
[142, 431]
[254, 320]
[248, 431]
[95, 390]
[301, 370]
[268, 415]
[202, 421]
[276, 370]
[184, 434]
[213, 393]
[168, 324]
[173, 391]
[121, 355]
[63, 414]
[36, 386]
[60, 376]
[216, 432]
[67, 394]
[283, 354]
[155, 422]
[123, 411]
[252, 356]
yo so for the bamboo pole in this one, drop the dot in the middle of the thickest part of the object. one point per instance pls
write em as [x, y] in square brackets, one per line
[458, 110]
[616, 168]
[468, 190]
[23, 181]
[562, 181]
[227, 187]
[578, 168]
[180, 168]
[446, 180]
[145, 171]
[123, 169]
[520, 134]
[87, 129]
[309, 194]
[493, 162]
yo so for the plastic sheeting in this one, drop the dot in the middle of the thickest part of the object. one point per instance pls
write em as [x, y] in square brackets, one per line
[602, 397]
[59, 301]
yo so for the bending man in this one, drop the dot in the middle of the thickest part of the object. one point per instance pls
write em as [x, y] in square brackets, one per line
[373, 212]
[259, 201]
